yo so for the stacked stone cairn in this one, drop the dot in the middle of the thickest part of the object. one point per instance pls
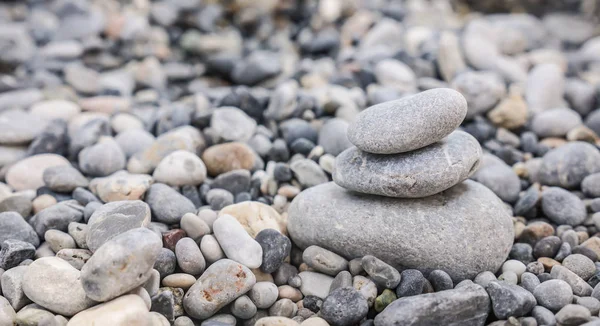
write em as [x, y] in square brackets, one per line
[402, 194]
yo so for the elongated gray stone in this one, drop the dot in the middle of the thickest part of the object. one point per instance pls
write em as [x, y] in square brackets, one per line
[464, 306]
[464, 230]
[415, 174]
[121, 264]
[236, 243]
[57, 217]
[115, 218]
[409, 123]
[221, 283]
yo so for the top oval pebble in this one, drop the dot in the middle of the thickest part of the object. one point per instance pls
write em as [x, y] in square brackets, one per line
[409, 123]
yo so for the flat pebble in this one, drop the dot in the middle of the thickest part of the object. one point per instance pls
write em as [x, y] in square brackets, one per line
[563, 207]
[275, 249]
[180, 168]
[167, 205]
[376, 130]
[189, 257]
[344, 306]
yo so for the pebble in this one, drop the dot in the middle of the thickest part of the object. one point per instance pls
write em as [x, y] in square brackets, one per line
[64, 178]
[7, 313]
[275, 249]
[28, 173]
[236, 243]
[14, 226]
[592, 304]
[115, 218]
[308, 173]
[118, 312]
[381, 273]
[121, 186]
[316, 284]
[578, 285]
[563, 207]
[510, 300]
[376, 130]
[344, 306]
[352, 173]
[440, 280]
[547, 247]
[309, 212]
[332, 136]
[232, 124]
[180, 168]
[76, 257]
[210, 248]
[166, 204]
[59, 240]
[555, 122]
[573, 314]
[133, 141]
[19, 127]
[189, 257]
[545, 87]
[227, 157]
[232, 279]
[235, 181]
[366, 287]
[324, 261]
[543, 316]
[121, 264]
[194, 226]
[514, 266]
[255, 217]
[57, 217]
[263, 294]
[411, 283]
[498, 177]
[529, 281]
[568, 165]
[54, 284]
[481, 89]
[102, 159]
[580, 265]
[467, 304]
[12, 287]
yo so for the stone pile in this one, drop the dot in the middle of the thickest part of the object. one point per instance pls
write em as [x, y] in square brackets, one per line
[399, 193]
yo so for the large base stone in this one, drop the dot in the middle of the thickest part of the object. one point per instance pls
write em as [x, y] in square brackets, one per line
[464, 230]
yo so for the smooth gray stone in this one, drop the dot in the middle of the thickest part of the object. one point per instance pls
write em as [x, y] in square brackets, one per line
[168, 205]
[555, 122]
[563, 207]
[499, 177]
[578, 285]
[115, 218]
[64, 178]
[409, 123]
[232, 279]
[567, 165]
[324, 261]
[465, 306]
[57, 217]
[121, 264]
[316, 284]
[381, 273]
[415, 174]
[14, 226]
[102, 159]
[333, 138]
[510, 300]
[573, 314]
[344, 306]
[263, 294]
[7, 313]
[55, 285]
[426, 234]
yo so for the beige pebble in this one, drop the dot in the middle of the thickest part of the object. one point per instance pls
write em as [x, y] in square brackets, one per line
[276, 321]
[314, 321]
[179, 280]
[288, 292]
[42, 202]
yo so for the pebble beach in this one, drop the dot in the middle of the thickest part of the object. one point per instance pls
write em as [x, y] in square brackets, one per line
[299, 163]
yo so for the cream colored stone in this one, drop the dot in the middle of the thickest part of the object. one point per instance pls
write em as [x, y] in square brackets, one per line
[42, 202]
[127, 310]
[275, 321]
[314, 321]
[121, 185]
[55, 109]
[27, 173]
[255, 217]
